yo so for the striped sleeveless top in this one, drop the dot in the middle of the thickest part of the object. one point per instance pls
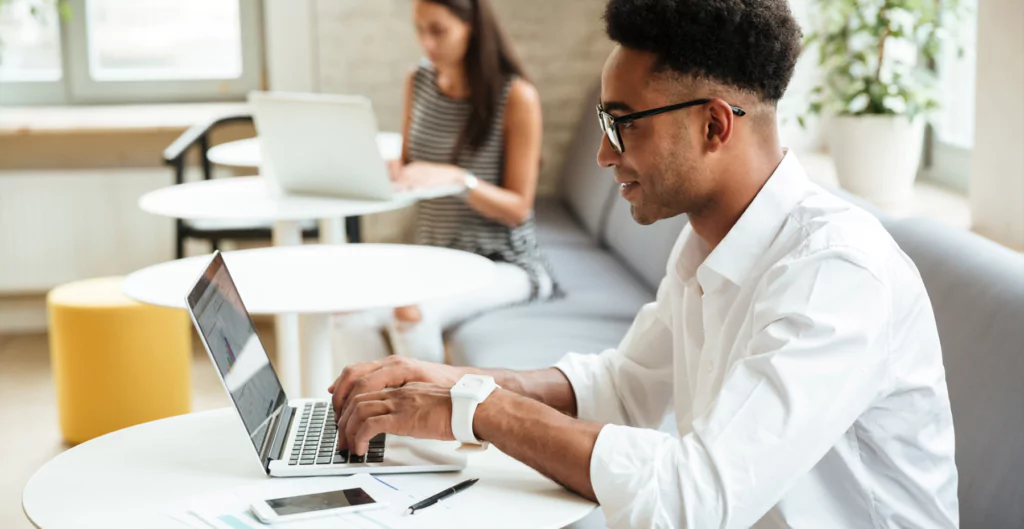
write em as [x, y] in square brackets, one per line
[436, 121]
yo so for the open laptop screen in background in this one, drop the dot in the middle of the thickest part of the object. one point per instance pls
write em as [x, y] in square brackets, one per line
[231, 340]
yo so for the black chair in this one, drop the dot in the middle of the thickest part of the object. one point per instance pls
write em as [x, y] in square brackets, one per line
[176, 156]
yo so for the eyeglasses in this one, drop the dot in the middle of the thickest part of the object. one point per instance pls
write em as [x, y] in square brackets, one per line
[610, 124]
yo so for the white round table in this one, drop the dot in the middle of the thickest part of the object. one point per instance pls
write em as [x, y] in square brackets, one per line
[133, 477]
[246, 153]
[310, 283]
[251, 199]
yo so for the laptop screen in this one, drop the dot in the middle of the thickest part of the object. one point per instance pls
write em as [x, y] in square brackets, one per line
[230, 337]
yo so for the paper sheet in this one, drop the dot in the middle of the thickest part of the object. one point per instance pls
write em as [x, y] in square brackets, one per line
[231, 509]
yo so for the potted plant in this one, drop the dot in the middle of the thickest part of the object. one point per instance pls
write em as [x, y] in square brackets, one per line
[878, 85]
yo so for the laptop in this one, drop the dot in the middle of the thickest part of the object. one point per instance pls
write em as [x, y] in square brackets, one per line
[325, 144]
[291, 437]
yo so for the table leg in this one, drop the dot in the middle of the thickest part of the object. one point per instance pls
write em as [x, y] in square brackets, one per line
[332, 231]
[317, 367]
[289, 367]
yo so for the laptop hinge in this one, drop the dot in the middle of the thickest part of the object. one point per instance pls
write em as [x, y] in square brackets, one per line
[282, 425]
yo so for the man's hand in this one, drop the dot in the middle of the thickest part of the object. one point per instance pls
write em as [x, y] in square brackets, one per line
[423, 411]
[392, 372]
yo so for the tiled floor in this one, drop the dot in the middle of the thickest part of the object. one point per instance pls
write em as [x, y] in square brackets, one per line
[28, 414]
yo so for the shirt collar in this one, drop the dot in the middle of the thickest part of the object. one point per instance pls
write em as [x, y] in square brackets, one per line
[752, 235]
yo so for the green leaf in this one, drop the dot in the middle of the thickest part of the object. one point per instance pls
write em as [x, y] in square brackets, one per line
[65, 9]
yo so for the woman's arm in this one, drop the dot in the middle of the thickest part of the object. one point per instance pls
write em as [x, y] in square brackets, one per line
[512, 204]
[396, 165]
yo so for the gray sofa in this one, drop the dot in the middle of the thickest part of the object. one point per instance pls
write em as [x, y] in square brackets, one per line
[609, 267]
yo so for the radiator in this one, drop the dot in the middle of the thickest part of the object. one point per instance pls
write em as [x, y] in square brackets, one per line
[58, 226]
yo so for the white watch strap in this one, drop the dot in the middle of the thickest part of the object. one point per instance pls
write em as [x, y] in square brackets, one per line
[463, 411]
[469, 184]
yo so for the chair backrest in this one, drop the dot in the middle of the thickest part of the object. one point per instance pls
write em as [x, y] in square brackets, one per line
[586, 188]
[977, 291]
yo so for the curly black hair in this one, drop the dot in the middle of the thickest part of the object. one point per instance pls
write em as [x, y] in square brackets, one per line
[749, 44]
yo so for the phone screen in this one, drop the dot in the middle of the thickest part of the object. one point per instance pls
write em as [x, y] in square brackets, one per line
[334, 499]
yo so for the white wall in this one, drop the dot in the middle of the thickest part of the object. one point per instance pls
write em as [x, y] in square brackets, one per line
[291, 53]
[367, 47]
[997, 169]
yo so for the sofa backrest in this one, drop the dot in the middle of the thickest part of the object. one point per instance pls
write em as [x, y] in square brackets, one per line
[977, 291]
[586, 188]
[643, 249]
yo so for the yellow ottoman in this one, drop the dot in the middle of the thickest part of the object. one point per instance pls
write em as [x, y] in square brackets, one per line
[116, 363]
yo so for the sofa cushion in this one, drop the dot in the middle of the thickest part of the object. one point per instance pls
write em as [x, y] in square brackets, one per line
[595, 283]
[586, 188]
[557, 227]
[644, 249]
[602, 299]
[519, 338]
[977, 291]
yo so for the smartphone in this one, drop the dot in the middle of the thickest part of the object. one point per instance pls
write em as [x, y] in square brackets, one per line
[314, 505]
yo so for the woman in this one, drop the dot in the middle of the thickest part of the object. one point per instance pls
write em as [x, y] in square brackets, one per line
[471, 119]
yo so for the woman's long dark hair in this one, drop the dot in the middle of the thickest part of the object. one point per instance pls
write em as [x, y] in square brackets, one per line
[489, 64]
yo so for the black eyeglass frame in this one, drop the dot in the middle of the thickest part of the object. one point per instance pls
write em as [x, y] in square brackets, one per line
[610, 124]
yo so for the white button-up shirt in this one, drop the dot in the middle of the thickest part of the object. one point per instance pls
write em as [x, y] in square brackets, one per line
[803, 365]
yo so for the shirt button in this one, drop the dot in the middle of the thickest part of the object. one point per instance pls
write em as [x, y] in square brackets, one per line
[709, 366]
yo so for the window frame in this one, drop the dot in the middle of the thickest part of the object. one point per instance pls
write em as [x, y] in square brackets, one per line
[949, 159]
[76, 86]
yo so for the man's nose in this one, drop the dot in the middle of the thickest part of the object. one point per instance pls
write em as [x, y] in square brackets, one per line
[607, 155]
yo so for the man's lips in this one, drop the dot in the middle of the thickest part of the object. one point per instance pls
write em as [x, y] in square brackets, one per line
[626, 188]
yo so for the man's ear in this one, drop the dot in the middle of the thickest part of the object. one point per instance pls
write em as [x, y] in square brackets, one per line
[719, 121]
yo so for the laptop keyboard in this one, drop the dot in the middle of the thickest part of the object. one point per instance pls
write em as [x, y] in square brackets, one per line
[316, 440]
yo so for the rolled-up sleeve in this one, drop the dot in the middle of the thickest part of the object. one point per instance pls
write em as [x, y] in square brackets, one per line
[816, 361]
[630, 385]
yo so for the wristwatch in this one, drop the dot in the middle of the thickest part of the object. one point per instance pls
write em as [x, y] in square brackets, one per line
[467, 394]
[469, 183]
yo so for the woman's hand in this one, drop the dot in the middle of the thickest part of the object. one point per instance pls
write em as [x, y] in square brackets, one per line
[395, 169]
[425, 175]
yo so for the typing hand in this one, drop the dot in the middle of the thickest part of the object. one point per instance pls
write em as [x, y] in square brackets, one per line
[391, 372]
[423, 411]
[395, 169]
[424, 175]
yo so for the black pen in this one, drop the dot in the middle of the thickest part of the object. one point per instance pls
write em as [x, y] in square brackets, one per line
[451, 491]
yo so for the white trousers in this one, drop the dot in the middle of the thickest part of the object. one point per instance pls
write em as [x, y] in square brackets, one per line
[360, 337]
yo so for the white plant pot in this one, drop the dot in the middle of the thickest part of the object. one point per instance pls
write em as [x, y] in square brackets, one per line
[877, 157]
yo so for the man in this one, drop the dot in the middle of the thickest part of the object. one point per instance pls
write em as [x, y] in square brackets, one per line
[791, 337]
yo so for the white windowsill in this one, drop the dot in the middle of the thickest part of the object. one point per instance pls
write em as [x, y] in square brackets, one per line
[931, 200]
[26, 120]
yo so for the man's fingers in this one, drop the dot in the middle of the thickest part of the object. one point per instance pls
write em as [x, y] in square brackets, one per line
[349, 376]
[345, 416]
[369, 429]
[361, 413]
[372, 381]
[390, 376]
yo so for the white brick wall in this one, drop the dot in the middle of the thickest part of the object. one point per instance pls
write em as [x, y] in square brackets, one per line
[368, 46]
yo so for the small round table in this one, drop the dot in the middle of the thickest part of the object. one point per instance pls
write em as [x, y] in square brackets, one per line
[246, 153]
[311, 283]
[134, 477]
[250, 199]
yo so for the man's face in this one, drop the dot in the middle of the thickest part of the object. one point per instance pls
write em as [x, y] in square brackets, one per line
[663, 166]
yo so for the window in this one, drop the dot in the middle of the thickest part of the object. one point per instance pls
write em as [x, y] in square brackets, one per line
[30, 51]
[121, 51]
[953, 126]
